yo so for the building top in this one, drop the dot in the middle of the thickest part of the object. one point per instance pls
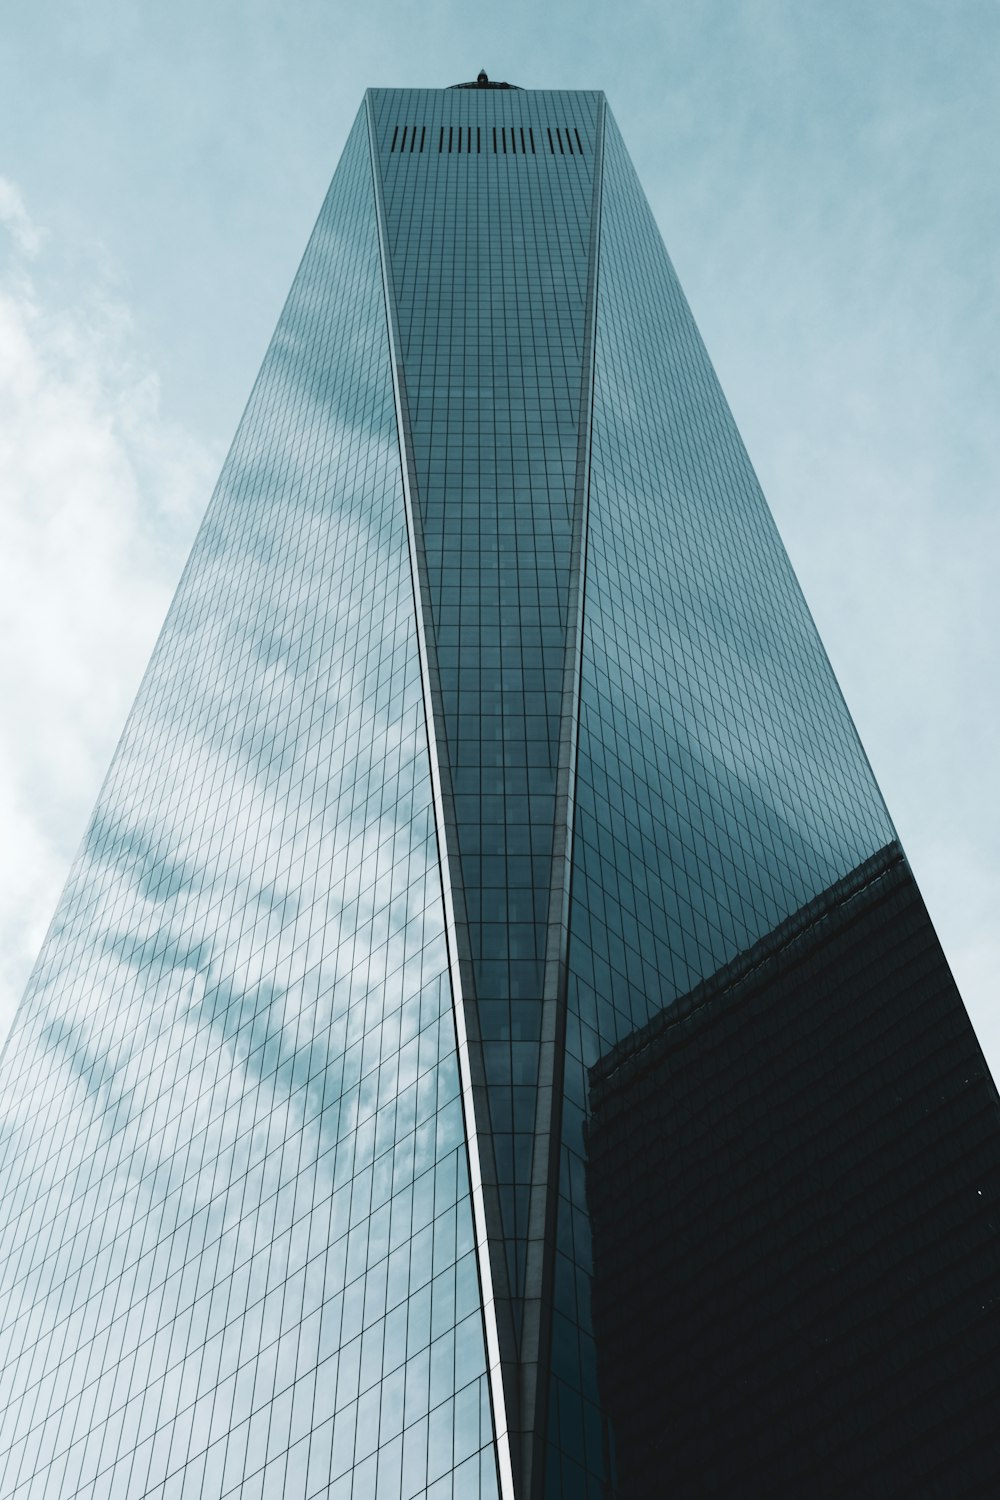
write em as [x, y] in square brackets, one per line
[482, 81]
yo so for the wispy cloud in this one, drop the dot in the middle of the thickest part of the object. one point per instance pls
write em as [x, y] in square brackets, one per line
[27, 236]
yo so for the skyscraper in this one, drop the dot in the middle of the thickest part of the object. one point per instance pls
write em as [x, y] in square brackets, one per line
[487, 725]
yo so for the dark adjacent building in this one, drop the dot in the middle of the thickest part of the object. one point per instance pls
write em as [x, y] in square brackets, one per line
[794, 1185]
[488, 775]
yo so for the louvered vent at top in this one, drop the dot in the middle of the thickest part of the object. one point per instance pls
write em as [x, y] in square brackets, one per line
[497, 140]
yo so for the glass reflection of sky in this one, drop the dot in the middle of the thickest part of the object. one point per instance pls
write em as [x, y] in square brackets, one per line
[238, 1243]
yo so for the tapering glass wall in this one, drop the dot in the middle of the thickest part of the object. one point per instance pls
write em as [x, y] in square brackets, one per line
[721, 784]
[237, 1249]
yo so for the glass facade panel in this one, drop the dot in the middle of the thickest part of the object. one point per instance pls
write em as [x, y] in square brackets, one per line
[721, 784]
[238, 1252]
[488, 236]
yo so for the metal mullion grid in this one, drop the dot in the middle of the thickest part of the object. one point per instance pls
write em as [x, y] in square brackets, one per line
[486, 1272]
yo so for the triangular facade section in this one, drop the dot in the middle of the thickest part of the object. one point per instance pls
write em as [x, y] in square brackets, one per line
[489, 202]
[238, 1242]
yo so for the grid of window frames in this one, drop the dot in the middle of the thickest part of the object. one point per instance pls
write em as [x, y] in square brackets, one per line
[721, 784]
[489, 238]
[236, 1245]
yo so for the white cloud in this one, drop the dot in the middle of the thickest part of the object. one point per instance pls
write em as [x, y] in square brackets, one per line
[27, 237]
[99, 502]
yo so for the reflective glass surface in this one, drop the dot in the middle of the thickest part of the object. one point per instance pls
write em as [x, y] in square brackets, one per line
[237, 1246]
[488, 201]
[721, 784]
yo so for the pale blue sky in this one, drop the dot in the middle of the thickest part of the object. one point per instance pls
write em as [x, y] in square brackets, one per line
[825, 178]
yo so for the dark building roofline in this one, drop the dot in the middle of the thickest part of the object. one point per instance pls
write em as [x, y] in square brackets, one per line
[640, 1049]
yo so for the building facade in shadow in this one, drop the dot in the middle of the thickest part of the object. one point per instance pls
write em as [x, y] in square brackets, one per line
[795, 1190]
